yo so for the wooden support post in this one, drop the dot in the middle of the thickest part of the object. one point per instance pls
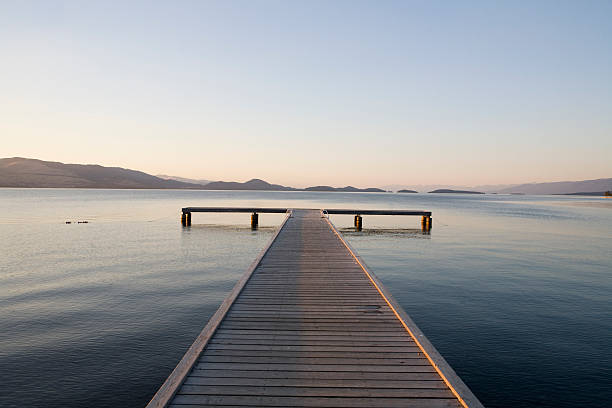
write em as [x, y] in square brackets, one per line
[358, 222]
[254, 220]
[426, 223]
[184, 219]
[189, 219]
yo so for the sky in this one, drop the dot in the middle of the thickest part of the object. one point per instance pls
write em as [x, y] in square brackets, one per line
[366, 93]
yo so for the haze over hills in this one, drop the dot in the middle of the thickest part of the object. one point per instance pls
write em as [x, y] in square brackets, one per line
[562, 187]
[183, 179]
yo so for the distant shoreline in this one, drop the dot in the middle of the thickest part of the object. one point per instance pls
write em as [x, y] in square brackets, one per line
[307, 191]
[449, 191]
[19, 172]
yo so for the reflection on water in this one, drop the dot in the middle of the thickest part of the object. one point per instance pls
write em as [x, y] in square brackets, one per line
[514, 291]
[594, 204]
[386, 232]
[229, 227]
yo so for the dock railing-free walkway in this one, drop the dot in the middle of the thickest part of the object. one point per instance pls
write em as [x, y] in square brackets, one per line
[310, 325]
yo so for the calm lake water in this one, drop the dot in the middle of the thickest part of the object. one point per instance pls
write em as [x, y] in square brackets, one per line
[514, 291]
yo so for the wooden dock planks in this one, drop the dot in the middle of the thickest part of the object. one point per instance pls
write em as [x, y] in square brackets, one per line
[310, 326]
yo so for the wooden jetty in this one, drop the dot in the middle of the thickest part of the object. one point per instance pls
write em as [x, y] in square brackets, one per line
[426, 221]
[309, 325]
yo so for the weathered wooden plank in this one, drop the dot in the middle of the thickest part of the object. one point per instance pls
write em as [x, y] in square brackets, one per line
[372, 308]
[310, 314]
[366, 327]
[288, 391]
[281, 318]
[316, 382]
[336, 360]
[259, 401]
[311, 354]
[316, 341]
[286, 290]
[211, 347]
[312, 319]
[313, 302]
[306, 332]
[307, 336]
[318, 367]
[322, 375]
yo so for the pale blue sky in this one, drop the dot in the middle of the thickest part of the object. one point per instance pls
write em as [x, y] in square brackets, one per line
[361, 93]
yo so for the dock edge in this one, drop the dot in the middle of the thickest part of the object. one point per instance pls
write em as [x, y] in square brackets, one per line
[448, 375]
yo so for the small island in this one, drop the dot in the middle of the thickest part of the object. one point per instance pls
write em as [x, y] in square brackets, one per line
[448, 191]
[407, 191]
[587, 193]
[347, 189]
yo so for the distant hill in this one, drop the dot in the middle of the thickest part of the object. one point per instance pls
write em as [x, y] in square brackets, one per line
[486, 188]
[254, 184]
[347, 189]
[562, 187]
[183, 179]
[33, 173]
[593, 193]
[258, 184]
[407, 191]
[21, 172]
[447, 191]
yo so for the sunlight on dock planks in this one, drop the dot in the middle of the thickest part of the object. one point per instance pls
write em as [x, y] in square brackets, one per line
[308, 325]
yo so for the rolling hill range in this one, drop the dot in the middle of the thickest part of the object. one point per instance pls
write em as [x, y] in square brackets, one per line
[254, 184]
[20, 172]
[562, 187]
[33, 173]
